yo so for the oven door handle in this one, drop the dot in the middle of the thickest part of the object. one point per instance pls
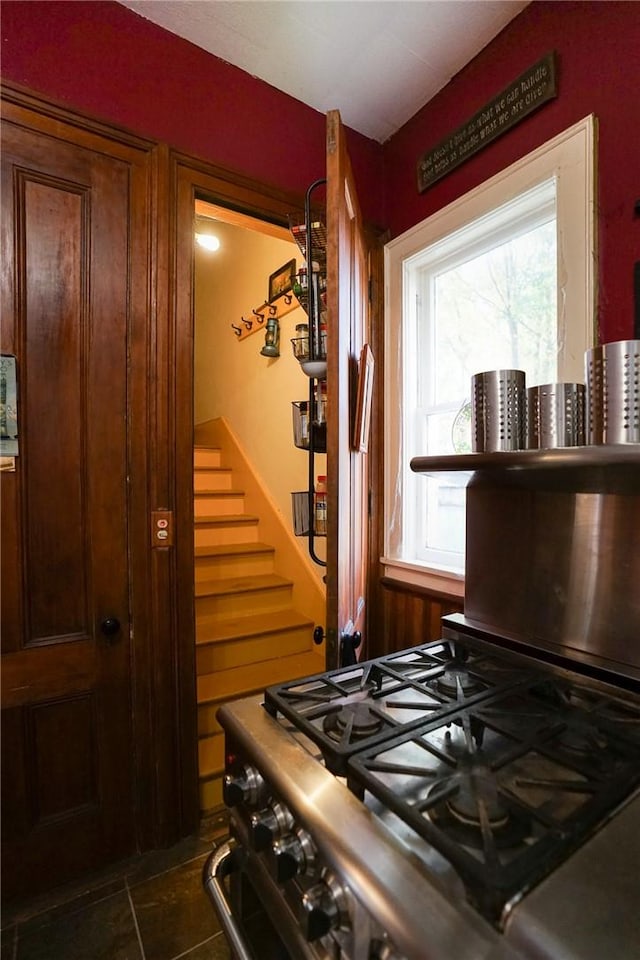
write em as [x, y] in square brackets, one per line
[219, 865]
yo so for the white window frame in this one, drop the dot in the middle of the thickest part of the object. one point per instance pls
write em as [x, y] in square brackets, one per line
[569, 158]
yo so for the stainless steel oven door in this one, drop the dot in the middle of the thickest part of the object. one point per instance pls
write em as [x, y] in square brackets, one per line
[256, 922]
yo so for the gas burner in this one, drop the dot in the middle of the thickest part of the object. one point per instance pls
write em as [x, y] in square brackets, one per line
[352, 722]
[456, 679]
[474, 814]
[582, 739]
[476, 800]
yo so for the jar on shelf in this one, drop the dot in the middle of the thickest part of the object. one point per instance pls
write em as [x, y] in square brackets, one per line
[301, 423]
[320, 506]
[301, 342]
[323, 340]
[320, 397]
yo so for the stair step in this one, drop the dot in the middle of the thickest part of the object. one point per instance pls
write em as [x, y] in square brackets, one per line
[232, 549]
[212, 478]
[217, 688]
[233, 559]
[218, 530]
[211, 755]
[211, 794]
[226, 644]
[254, 625]
[218, 503]
[227, 586]
[218, 492]
[227, 520]
[207, 457]
[233, 596]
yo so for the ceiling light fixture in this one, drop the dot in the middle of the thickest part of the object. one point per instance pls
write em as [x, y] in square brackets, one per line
[208, 241]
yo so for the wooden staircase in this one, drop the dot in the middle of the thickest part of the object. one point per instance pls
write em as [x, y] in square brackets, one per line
[248, 635]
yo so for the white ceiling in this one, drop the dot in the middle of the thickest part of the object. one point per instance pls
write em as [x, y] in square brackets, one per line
[376, 61]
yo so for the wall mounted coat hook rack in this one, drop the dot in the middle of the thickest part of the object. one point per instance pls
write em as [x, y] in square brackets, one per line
[277, 309]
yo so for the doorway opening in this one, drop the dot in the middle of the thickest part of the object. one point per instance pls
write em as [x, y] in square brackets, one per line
[258, 596]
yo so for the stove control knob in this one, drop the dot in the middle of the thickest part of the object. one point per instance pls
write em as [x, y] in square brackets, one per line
[295, 855]
[382, 950]
[269, 824]
[324, 908]
[245, 786]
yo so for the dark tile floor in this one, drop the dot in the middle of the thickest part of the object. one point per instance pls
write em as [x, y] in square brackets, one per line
[151, 907]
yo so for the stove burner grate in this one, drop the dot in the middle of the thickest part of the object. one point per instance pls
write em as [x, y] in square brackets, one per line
[504, 807]
[342, 711]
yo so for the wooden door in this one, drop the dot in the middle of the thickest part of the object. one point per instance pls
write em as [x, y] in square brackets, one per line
[347, 493]
[67, 749]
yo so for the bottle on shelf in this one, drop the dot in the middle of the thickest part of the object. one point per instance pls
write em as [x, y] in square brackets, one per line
[320, 397]
[320, 506]
[323, 340]
[302, 281]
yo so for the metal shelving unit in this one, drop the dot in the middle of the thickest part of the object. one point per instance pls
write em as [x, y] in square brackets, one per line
[311, 237]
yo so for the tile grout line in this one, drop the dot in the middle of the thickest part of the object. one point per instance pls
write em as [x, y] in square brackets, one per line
[196, 946]
[135, 920]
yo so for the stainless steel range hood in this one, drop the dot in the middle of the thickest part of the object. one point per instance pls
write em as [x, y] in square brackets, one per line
[553, 549]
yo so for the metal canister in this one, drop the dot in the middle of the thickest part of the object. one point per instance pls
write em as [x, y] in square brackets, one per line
[498, 411]
[555, 415]
[612, 372]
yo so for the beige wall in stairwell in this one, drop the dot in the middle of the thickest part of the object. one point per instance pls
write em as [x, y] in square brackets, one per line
[231, 378]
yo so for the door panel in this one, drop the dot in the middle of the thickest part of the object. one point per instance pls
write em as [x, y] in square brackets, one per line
[347, 494]
[67, 758]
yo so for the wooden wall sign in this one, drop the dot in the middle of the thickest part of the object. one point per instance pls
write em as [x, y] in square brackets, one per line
[532, 88]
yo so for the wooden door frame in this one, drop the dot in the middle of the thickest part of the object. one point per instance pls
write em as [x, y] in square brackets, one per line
[191, 179]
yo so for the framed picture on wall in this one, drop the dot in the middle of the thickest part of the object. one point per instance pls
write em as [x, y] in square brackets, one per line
[282, 280]
[362, 425]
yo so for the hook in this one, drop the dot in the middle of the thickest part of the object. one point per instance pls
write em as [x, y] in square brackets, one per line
[257, 315]
[248, 323]
[288, 298]
[236, 329]
[273, 309]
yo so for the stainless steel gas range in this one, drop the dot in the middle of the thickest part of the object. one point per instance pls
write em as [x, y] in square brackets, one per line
[477, 796]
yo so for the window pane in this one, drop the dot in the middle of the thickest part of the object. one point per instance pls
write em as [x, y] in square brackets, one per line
[494, 309]
[497, 310]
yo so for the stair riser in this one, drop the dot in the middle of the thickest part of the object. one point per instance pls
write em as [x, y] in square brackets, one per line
[208, 722]
[206, 458]
[211, 754]
[236, 653]
[218, 506]
[243, 604]
[244, 565]
[212, 480]
[218, 534]
[211, 696]
[210, 794]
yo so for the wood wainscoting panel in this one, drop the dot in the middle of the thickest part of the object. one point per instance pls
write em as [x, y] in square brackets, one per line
[410, 616]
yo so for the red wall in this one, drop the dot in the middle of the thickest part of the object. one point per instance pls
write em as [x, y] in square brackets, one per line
[598, 48]
[103, 59]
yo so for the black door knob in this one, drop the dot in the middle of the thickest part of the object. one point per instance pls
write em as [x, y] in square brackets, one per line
[110, 626]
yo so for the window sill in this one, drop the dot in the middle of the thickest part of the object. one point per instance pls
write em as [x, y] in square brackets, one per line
[426, 578]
